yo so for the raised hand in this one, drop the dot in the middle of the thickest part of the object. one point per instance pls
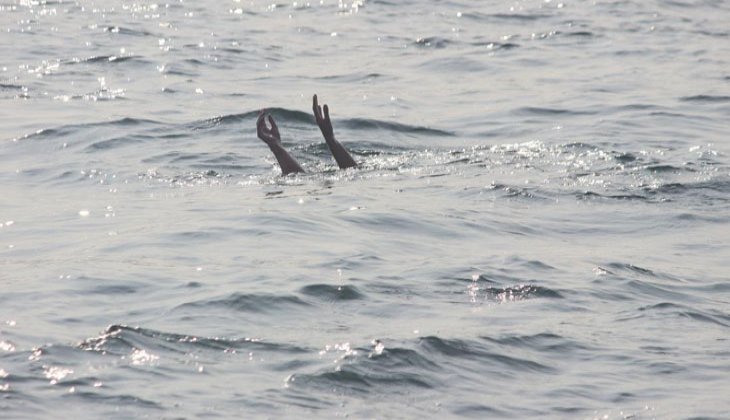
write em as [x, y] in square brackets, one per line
[272, 138]
[341, 155]
[323, 120]
[268, 135]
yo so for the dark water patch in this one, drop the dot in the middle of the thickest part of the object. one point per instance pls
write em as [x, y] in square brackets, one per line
[344, 381]
[493, 45]
[514, 17]
[587, 195]
[654, 290]
[624, 157]
[117, 142]
[115, 289]
[634, 107]
[519, 17]
[478, 411]
[664, 168]
[544, 342]
[117, 401]
[11, 87]
[698, 193]
[257, 303]
[580, 34]
[433, 42]
[355, 77]
[669, 308]
[175, 69]
[706, 98]
[328, 292]
[665, 368]
[539, 111]
[518, 293]
[193, 61]
[631, 269]
[693, 189]
[212, 235]
[476, 351]
[369, 124]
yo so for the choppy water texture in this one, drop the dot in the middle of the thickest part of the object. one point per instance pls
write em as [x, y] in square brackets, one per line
[538, 227]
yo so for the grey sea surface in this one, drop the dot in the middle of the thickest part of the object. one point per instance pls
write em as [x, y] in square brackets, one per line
[539, 225]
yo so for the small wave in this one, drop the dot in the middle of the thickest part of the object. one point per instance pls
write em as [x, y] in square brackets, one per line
[677, 188]
[521, 292]
[384, 370]
[72, 129]
[624, 157]
[580, 34]
[496, 45]
[544, 342]
[476, 351]
[531, 110]
[280, 114]
[592, 194]
[617, 267]
[258, 303]
[122, 339]
[9, 86]
[705, 98]
[369, 124]
[687, 312]
[504, 16]
[352, 379]
[332, 293]
[354, 77]
[663, 168]
[118, 142]
[433, 42]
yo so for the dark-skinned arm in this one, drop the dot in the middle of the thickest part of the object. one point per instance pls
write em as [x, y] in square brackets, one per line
[341, 155]
[272, 138]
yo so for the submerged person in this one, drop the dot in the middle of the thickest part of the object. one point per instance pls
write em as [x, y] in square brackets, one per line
[288, 164]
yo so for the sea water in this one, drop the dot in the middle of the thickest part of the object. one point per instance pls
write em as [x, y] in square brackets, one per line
[538, 226]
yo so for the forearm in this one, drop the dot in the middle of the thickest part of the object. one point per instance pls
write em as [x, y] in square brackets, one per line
[342, 156]
[287, 163]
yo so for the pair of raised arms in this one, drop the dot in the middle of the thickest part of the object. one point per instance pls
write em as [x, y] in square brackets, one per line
[288, 164]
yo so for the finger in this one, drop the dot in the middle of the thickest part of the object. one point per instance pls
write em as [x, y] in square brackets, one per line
[274, 128]
[326, 113]
[260, 122]
[316, 108]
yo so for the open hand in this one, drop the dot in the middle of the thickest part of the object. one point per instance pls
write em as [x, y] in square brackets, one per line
[323, 120]
[268, 135]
